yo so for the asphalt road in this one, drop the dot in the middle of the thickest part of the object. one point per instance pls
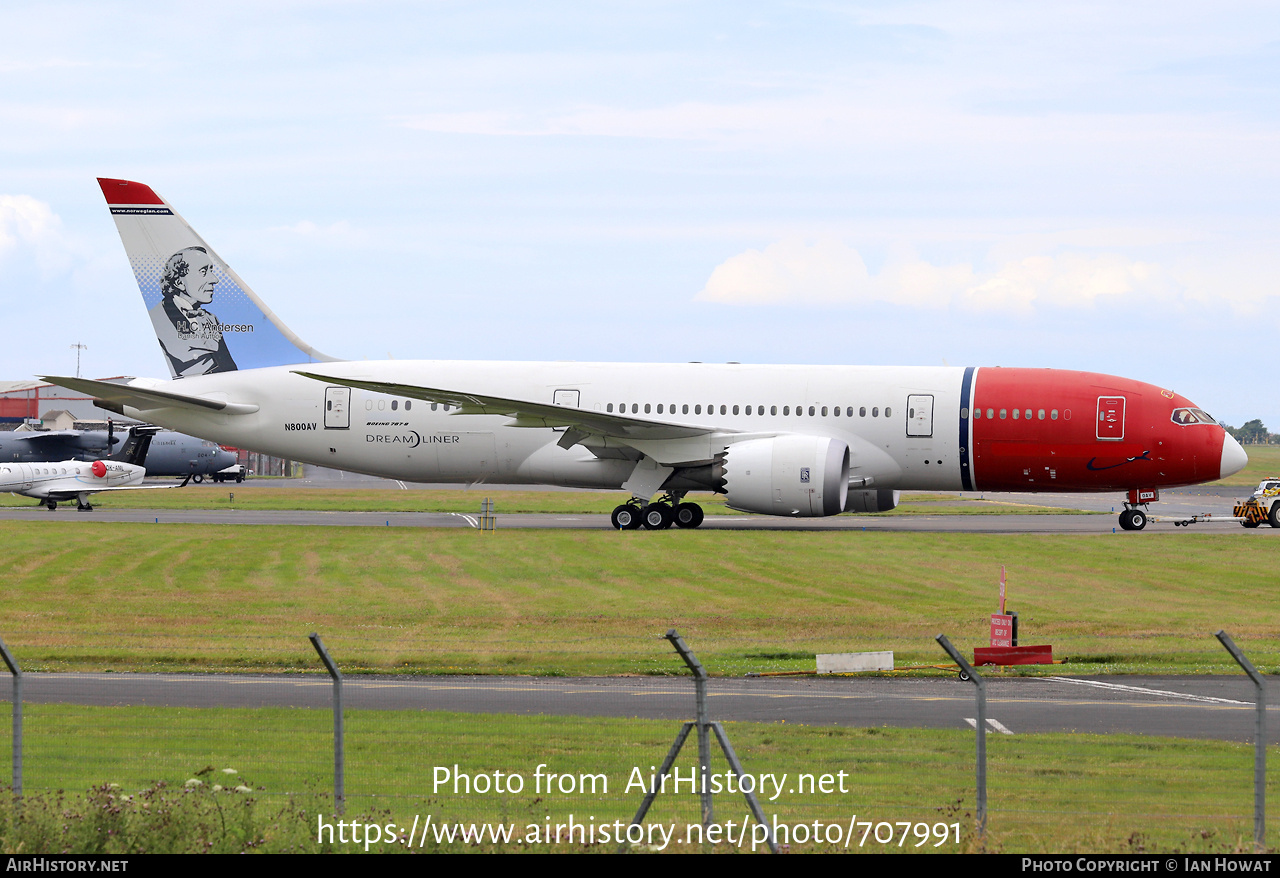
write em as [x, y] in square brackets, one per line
[1210, 707]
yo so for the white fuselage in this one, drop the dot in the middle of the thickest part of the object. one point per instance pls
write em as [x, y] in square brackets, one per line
[352, 429]
[67, 478]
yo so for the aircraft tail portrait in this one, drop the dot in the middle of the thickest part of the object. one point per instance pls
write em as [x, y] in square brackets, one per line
[205, 317]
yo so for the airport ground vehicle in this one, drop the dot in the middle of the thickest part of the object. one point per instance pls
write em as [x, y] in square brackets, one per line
[1261, 506]
[234, 473]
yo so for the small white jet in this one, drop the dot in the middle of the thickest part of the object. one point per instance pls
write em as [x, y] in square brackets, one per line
[57, 482]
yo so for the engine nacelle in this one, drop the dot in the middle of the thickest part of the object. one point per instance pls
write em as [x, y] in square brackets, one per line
[873, 500]
[788, 475]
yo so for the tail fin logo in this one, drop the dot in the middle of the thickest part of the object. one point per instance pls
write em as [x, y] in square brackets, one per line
[189, 333]
[200, 309]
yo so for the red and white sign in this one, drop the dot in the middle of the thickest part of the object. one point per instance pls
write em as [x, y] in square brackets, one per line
[1001, 629]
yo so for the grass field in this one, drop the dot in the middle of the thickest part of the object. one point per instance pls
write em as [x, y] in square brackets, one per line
[84, 595]
[253, 497]
[1047, 793]
[1264, 461]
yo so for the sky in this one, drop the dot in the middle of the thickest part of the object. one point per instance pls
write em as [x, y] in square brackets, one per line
[1079, 186]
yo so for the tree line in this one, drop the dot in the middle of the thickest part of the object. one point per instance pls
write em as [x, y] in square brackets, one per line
[1252, 433]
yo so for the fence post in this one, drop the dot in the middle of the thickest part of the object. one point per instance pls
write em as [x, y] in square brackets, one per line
[968, 671]
[1259, 740]
[17, 717]
[339, 794]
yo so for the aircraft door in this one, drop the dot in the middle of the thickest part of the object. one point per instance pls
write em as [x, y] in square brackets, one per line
[337, 408]
[565, 397]
[1110, 417]
[920, 416]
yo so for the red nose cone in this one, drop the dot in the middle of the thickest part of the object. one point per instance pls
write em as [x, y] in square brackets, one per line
[99, 468]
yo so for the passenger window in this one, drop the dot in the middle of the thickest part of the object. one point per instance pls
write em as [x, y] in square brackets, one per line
[759, 410]
[697, 409]
[1002, 413]
[609, 407]
[1028, 415]
[1040, 415]
[659, 408]
[811, 411]
[991, 413]
[1016, 413]
[964, 413]
[875, 411]
[724, 410]
[888, 413]
[848, 413]
[977, 414]
[773, 409]
[824, 411]
[684, 409]
[836, 411]
[646, 408]
[786, 409]
[382, 404]
[735, 409]
[408, 404]
[635, 408]
[1053, 415]
[368, 405]
[434, 406]
[862, 412]
[395, 404]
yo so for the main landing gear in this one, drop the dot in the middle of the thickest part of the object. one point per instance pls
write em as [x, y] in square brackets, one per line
[657, 516]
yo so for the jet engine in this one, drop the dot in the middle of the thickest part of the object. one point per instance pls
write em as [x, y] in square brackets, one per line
[872, 500]
[788, 475]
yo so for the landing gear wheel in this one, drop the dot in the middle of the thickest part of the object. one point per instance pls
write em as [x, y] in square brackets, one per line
[688, 515]
[1273, 517]
[84, 507]
[1133, 519]
[626, 517]
[197, 478]
[52, 504]
[657, 516]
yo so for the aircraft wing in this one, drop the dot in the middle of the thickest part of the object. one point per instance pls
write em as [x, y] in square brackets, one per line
[627, 429]
[145, 399]
[43, 436]
[62, 495]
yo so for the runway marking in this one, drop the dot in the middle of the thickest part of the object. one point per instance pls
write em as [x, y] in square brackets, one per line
[1120, 687]
[403, 486]
[471, 521]
[995, 724]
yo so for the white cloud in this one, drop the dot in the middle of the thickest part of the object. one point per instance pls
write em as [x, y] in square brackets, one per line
[831, 273]
[33, 226]
[790, 271]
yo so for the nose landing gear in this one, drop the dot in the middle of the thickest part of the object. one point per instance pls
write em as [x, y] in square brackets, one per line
[1133, 517]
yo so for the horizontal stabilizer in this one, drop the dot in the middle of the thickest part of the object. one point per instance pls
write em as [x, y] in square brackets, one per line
[113, 396]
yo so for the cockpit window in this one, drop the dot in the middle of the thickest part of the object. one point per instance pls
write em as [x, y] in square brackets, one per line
[1192, 416]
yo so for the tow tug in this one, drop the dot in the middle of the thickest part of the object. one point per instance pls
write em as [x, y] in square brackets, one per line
[1262, 505]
